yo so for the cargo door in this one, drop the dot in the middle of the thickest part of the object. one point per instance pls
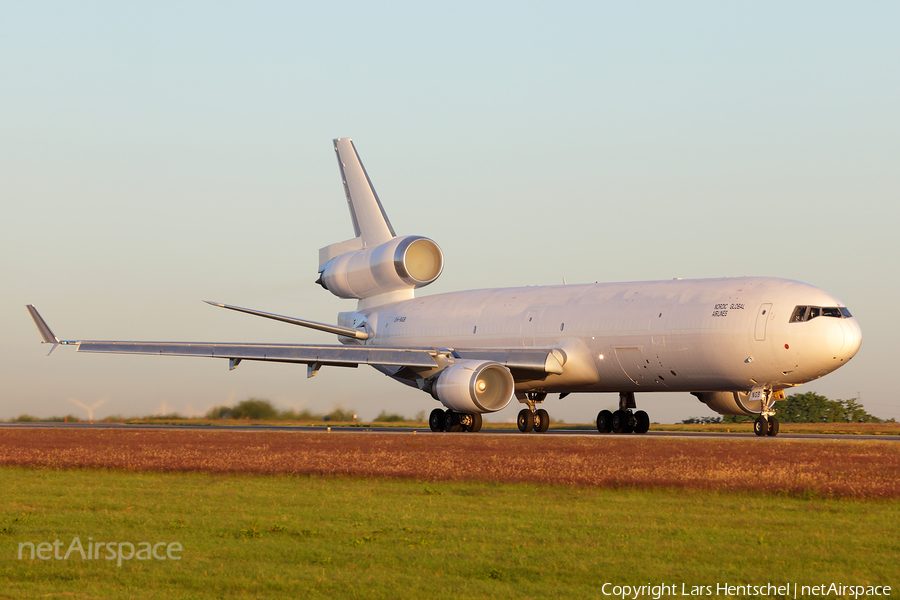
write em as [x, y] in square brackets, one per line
[762, 319]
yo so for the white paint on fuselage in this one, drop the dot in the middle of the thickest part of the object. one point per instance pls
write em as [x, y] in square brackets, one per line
[680, 335]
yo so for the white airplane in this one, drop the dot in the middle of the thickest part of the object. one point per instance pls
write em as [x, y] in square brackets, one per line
[734, 343]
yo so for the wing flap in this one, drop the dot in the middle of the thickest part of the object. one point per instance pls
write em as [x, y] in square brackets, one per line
[334, 355]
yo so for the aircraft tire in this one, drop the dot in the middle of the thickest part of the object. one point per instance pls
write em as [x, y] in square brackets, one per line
[525, 420]
[761, 426]
[630, 422]
[436, 420]
[642, 424]
[619, 423]
[541, 420]
[773, 427]
[604, 421]
[451, 421]
[475, 427]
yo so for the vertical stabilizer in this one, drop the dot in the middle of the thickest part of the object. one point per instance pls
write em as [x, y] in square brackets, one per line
[376, 267]
[370, 222]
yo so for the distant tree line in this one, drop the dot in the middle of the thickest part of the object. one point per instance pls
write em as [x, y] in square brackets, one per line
[807, 408]
[257, 409]
[263, 410]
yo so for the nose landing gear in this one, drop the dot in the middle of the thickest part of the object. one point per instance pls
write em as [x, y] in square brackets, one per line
[766, 424]
[763, 426]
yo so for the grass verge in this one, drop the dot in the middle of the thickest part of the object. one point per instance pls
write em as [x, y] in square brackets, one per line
[251, 536]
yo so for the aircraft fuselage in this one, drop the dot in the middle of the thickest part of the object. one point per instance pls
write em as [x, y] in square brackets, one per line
[679, 335]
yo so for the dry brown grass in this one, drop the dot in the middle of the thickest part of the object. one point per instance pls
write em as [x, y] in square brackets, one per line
[848, 429]
[855, 469]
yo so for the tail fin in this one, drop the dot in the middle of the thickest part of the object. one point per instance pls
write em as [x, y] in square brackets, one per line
[370, 222]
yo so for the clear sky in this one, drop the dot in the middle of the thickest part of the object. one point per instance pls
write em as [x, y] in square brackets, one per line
[153, 155]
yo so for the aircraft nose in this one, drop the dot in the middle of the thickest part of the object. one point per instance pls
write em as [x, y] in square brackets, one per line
[852, 338]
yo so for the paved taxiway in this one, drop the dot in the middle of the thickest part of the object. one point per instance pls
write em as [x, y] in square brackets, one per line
[426, 431]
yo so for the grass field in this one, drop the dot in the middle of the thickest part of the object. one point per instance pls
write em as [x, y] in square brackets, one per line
[267, 514]
[253, 536]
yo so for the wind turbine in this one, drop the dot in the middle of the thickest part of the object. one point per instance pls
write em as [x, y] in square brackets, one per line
[89, 409]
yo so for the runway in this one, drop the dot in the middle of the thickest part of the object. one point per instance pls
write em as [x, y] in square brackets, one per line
[425, 431]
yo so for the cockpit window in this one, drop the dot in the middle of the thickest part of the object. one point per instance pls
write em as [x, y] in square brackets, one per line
[807, 313]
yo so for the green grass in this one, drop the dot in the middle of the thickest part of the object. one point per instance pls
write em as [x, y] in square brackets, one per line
[308, 537]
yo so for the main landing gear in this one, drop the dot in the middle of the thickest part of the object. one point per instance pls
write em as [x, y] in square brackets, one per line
[530, 419]
[449, 420]
[624, 420]
[766, 424]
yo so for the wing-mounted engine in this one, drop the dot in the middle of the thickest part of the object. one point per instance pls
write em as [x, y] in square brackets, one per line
[401, 264]
[474, 386]
[730, 403]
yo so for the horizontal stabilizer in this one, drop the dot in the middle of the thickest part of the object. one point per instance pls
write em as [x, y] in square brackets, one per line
[336, 329]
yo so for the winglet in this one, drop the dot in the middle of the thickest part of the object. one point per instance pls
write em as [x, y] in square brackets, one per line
[47, 336]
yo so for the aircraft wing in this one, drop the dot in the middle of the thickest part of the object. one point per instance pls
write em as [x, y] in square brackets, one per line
[300, 353]
[529, 359]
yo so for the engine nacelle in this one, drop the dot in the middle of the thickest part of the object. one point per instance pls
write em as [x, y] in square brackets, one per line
[730, 403]
[401, 263]
[474, 386]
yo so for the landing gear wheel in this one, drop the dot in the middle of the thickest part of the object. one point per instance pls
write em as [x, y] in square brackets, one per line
[436, 420]
[541, 420]
[474, 424]
[620, 422]
[642, 422]
[604, 421]
[773, 427]
[525, 420]
[761, 426]
[451, 421]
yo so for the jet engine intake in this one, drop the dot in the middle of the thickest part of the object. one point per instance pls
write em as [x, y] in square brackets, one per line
[474, 386]
[400, 263]
[730, 403]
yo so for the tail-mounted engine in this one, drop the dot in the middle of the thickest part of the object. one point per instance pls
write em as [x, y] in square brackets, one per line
[730, 403]
[401, 263]
[474, 386]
